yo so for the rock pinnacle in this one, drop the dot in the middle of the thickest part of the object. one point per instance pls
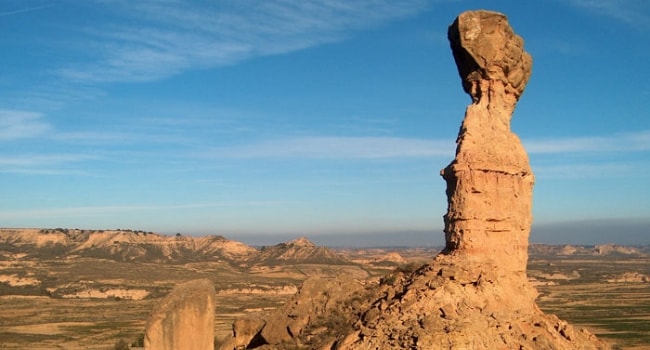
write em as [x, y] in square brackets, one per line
[490, 182]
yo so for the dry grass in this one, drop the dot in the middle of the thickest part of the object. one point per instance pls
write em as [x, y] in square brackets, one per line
[616, 312]
[35, 316]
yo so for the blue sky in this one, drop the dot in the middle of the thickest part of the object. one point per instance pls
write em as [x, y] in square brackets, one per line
[306, 118]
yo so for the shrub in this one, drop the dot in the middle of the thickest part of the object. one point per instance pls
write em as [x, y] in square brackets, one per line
[139, 342]
[122, 345]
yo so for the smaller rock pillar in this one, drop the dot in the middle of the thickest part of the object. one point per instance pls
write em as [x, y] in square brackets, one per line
[184, 320]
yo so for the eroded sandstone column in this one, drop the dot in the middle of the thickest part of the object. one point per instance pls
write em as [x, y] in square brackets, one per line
[489, 183]
[184, 320]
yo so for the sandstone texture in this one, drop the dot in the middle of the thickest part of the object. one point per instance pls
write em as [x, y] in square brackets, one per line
[184, 320]
[490, 182]
[318, 302]
[474, 294]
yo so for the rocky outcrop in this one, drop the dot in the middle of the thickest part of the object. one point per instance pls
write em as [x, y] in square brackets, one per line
[184, 320]
[245, 334]
[444, 305]
[318, 303]
[629, 277]
[475, 294]
[614, 249]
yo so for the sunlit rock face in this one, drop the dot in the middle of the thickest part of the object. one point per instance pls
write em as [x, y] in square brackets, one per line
[475, 294]
[184, 320]
[490, 182]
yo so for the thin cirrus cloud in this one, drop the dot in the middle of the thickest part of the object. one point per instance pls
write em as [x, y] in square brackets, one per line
[24, 124]
[171, 37]
[90, 211]
[337, 148]
[18, 124]
[632, 12]
[589, 170]
[623, 142]
[25, 10]
[46, 163]
[334, 147]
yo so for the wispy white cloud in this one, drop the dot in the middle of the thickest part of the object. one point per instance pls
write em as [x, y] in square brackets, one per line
[334, 147]
[22, 124]
[42, 159]
[25, 10]
[623, 142]
[338, 148]
[582, 170]
[179, 131]
[51, 94]
[44, 163]
[85, 211]
[16, 124]
[174, 36]
[632, 12]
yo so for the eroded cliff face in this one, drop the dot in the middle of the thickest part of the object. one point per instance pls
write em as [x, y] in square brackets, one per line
[490, 182]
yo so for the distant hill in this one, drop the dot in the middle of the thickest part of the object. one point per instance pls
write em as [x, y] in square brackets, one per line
[122, 245]
[300, 251]
[140, 246]
[586, 250]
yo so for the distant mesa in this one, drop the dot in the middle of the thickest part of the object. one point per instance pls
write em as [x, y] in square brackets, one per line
[298, 251]
[629, 277]
[614, 249]
[580, 250]
[139, 246]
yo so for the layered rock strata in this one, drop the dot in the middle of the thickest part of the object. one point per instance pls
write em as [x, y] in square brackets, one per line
[490, 182]
[184, 320]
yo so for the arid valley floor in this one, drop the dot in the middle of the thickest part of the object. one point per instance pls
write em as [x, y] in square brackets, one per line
[67, 296]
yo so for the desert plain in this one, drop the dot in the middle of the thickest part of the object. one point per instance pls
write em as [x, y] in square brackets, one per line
[99, 296]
